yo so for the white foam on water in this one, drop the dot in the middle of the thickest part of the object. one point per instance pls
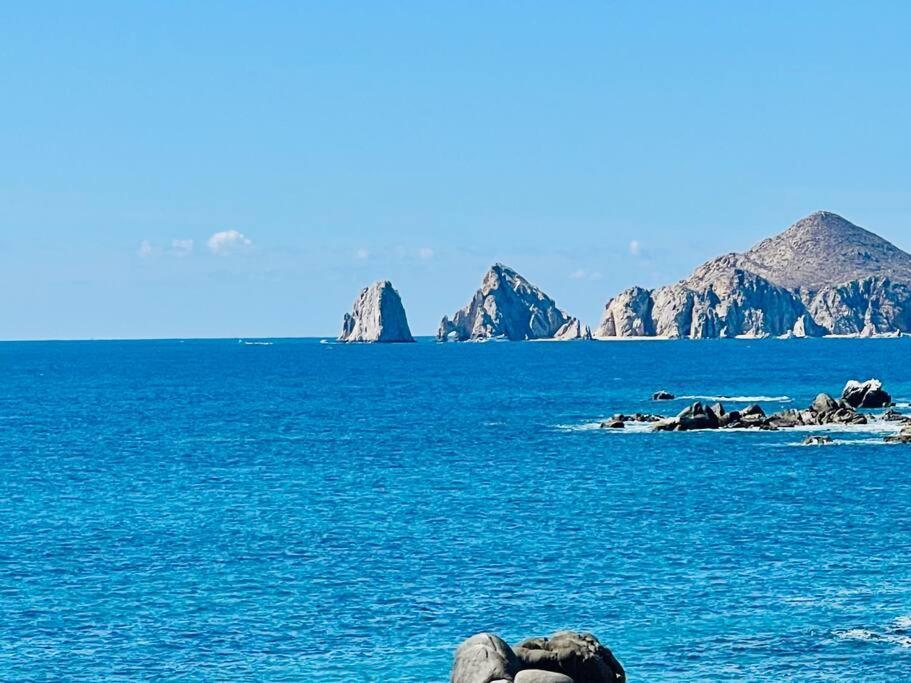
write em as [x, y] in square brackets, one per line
[742, 399]
[876, 427]
[628, 428]
[895, 633]
[842, 442]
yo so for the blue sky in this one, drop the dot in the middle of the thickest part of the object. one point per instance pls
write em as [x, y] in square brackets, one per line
[242, 169]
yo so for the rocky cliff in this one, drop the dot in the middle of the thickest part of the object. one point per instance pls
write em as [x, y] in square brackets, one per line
[507, 306]
[823, 275]
[377, 316]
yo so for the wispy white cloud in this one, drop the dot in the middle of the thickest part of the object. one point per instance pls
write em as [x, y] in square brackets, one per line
[228, 242]
[182, 248]
[362, 254]
[582, 274]
[425, 253]
[145, 250]
[635, 248]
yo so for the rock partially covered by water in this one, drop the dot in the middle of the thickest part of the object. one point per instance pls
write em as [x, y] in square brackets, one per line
[817, 440]
[565, 657]
[691, 418]
[869, 394]
[662, 396]
[377, 316]
[580, 656]
[824, 410]
[904, 436]
[484, 658]
[507, 306]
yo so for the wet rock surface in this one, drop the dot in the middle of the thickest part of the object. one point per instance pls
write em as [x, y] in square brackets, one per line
[823, 410]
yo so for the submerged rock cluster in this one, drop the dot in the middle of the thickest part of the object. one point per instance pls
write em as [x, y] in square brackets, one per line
[565, 657]
[824, 410]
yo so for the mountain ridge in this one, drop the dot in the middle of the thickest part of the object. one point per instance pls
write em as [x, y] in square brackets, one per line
[822, 275]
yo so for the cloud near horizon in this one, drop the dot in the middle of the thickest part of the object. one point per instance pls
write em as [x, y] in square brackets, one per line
[228, 242]
[182, 247]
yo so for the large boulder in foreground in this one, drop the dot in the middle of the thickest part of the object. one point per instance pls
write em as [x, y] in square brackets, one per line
[507, 306]
[565, 657]
[484, 658]
[869, 394]
[580, 656]
[377, 316]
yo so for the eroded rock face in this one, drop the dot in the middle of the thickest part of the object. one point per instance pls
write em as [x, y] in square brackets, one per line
[823, 275]
[507, 306]
[573, 329]
[484, 658]
[377, 316]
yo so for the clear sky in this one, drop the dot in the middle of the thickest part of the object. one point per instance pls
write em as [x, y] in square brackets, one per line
[242, 169]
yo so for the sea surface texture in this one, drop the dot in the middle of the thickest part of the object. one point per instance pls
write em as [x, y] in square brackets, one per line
[296, 511]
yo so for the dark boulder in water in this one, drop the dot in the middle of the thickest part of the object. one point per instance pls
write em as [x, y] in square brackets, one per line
[823, 403]
[565, 657]
[613, 424]
[869, 394]
[662, 396]
[817, 440]
[580, 656]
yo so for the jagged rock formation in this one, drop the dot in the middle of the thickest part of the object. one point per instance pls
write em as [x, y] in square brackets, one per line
[823, 275]
[565, 657]
[377, 316]
[507, 306]
[869, 394]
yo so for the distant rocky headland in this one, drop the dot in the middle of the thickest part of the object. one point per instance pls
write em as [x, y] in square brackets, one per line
[823, 276]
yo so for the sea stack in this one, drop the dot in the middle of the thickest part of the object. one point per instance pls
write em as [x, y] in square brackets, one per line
[509, 307]
[376, 317]
[823, 275]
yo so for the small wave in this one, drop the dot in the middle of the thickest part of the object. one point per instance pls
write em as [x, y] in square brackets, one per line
[842, 442]
[876, 427]
[629, 427]
[742, 399]
[254, 343]
[895, 633]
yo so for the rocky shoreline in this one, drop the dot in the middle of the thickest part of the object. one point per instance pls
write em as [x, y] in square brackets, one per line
[824, 410]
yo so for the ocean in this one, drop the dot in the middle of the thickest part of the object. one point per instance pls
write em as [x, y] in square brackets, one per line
[300, 511]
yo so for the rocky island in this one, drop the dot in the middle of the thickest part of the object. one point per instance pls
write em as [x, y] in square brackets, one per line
[376, 316]
[509, 307]
[822, 276]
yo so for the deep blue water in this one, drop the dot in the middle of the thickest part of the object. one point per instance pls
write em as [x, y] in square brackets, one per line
[207, 510]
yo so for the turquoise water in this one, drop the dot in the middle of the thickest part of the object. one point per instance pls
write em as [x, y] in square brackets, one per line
[210, 510]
